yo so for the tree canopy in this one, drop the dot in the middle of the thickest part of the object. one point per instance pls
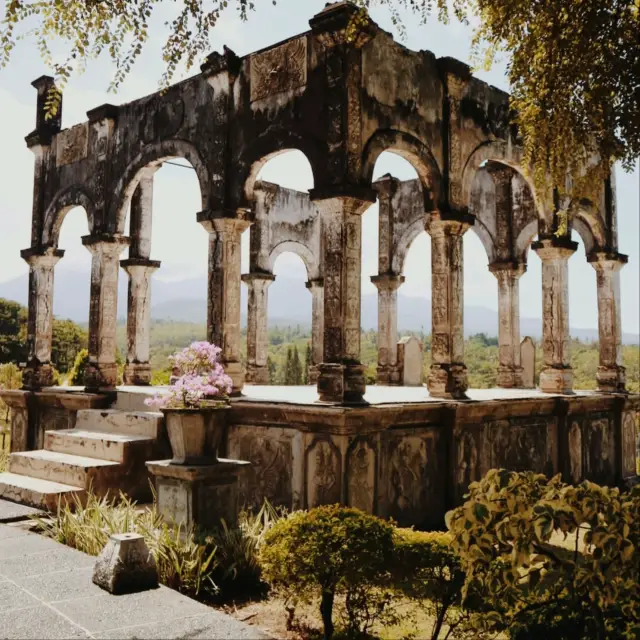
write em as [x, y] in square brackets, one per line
[573, 65]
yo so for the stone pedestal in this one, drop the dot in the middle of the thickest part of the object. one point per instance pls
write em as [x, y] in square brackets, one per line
[557, 375]
[410, 361]
[316, 287]
[388, 371]
[509, 365]
[137, 370]
[341, 376]
[39, 371]
[448, 375]
[198, 495]
[101, 371]
[257, 326]
[611, 373]
[223, 301]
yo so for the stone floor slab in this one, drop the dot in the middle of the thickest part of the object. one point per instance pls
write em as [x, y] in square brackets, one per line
[12, 511]
[7, 532]
[58, 558]
[16, 547]
[13, 597]
[38, 622]
[63, 585]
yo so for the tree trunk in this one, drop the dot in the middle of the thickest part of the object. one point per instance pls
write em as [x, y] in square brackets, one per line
[326, 611]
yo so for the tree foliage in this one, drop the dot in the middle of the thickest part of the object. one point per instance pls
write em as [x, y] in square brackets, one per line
[13, 320]
[573, 65]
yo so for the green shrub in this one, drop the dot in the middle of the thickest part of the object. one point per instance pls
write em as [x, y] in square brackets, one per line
[76, 376]
[426, 569]
[535, 589]
[331, 551]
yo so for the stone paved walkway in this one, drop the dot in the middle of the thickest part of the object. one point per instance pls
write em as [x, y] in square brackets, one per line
[46, 592]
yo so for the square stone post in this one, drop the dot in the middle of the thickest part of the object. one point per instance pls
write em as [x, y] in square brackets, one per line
[137, 370]
[556, 375]
[611, 374]
[102, 370]
[257, 326]
[341, 376]
[387, 370]
[223, 301]
[316, 287]
[509, 366]
[448, 375]
[141, 216]
[39, 371]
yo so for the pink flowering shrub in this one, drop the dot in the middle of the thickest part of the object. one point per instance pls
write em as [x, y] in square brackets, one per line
[202, 381]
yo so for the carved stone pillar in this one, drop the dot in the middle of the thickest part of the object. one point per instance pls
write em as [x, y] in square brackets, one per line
[317, 327]
[557, 375]
[341, 377]
[223, 304]
[448, 375]
[39, 371]
[509, 367]
[137, 370]
[611, 374]
[387, 285]
[257, 326]
[101, 371]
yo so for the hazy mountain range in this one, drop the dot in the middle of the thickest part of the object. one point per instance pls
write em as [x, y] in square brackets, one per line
[185, 300]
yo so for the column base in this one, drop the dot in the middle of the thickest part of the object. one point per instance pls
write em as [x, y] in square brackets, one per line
[314, 374]
[556, 380]
[510, 377]
[235, 371]
[198, 495]
[341, 384]
[388, 375]
[37, 375]
[137, 374]
[448, 381]
[612, 379]
[257, 374]
[100, 376]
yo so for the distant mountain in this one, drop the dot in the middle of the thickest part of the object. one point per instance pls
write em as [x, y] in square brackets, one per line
[289, 304]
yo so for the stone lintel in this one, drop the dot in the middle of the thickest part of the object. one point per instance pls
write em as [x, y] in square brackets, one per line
[512, 266]
[258, 276]
[607, 260]
[140, 262]
[366, 195]
[387, 281]
[103, 112]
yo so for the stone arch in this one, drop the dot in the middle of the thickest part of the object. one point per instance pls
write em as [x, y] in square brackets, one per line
[150, 157]
[404, 243]
[62, 203]
[302, 251]
[524, 240]
[486, 239]
[587, 222]
[413, 151]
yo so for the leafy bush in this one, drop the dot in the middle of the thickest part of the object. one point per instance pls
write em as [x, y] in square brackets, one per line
[331, 551]
[426, 569]
[76, 376]
[534, 589]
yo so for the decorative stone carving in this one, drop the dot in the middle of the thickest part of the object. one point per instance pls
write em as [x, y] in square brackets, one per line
[519, 444]
[72, 144]
[575, 453]
[468, 457]
[629, 444]
[279, 70]
[598, 448]
[323, 473]
[361, 476]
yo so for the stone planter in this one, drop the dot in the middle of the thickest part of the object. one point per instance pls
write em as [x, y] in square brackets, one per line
[195, 434]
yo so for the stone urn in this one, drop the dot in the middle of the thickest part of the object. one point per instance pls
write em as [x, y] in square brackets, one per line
[195, 434]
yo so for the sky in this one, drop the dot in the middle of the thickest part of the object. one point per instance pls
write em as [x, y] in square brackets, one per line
[181, 244]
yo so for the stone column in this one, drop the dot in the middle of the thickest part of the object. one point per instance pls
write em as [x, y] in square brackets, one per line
[509, 367]
[448, 375]
[101, 371]
[556, 375]
[141, 215]
[387, 285]
[39, 371]
[611, 374]
[223, 304]
[317, 327]
[257, 326]
[341, 377]
[137, 370]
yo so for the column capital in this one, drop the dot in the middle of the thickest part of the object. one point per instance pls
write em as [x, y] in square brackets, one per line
[314, 283]
[223, 225]
[448, 223]
[554, 248]
[387, 185]
[359, 197]
[387, 281]
[111, 245]
[46, 258]
[607, 261]
[256, 278]
[510, 267]
[142, 265]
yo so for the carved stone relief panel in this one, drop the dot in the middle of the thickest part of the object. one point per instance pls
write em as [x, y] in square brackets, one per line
[270, 475]
[519, 444]
[575, 452]
[323, 472]
[278, 70]
[598, 448]
[19, 429]
[629, 444]
[361, 476]
[468, 461]
[71, 144]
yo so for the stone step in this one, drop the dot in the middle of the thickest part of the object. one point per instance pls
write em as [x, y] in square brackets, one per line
[132, 399]
[138, 423]
[117, 447]
[36, 492]
[77, 471]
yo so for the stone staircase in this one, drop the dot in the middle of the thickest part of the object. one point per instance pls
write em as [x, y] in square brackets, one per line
[105, 452]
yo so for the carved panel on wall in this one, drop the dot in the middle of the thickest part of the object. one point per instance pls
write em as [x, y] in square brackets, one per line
[278, 70]
[361, 476]
[71, 144]
[628, 444]
[598, 448]
[19, 429]
[468, 460]
[575, 452]
[323, 471]
[270, 473]
[519, 444]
